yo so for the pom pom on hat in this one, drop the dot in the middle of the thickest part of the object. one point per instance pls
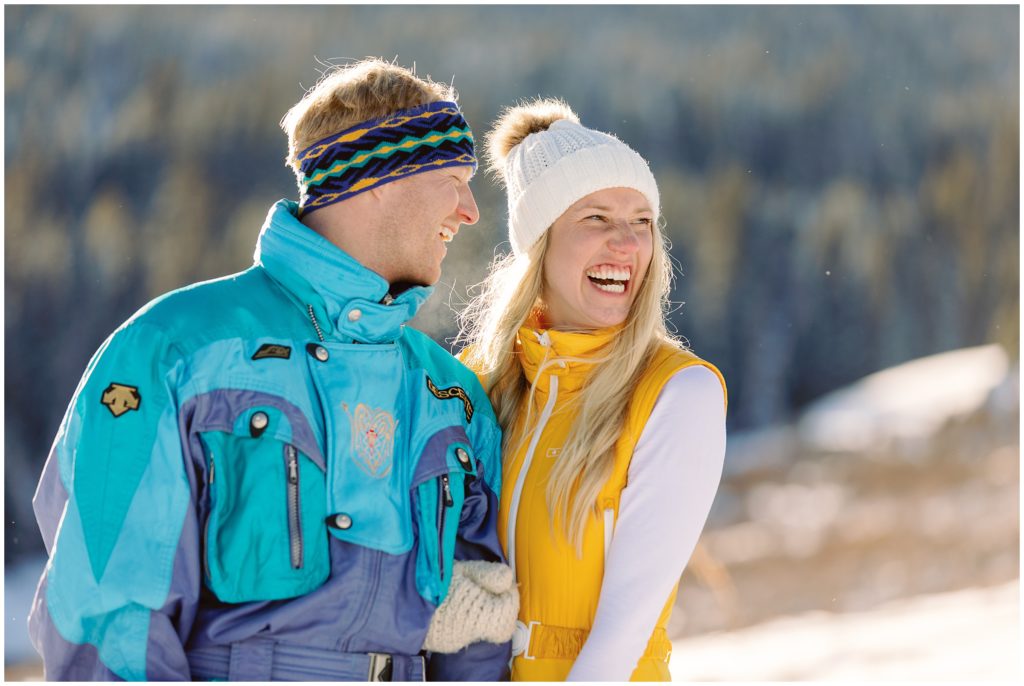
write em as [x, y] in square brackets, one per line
[516, 123]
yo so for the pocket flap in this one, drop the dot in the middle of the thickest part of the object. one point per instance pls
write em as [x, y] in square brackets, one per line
[236, 411]
[446, 451]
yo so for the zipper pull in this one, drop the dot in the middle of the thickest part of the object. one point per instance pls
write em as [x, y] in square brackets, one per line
[448, 502]
[293, 466]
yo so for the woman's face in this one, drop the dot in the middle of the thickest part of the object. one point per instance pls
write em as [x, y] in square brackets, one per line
[598, 254]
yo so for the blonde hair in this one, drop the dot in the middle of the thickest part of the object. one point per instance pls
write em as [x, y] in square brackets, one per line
[511, 293]
[347, 95]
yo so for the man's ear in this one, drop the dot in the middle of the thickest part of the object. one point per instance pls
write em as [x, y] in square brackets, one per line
[379, 193]
[369, 203]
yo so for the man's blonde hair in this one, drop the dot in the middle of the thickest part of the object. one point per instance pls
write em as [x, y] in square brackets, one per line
[349, 94]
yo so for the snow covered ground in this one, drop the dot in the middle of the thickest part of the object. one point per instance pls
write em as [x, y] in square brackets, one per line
[837, 543]
[970, 635]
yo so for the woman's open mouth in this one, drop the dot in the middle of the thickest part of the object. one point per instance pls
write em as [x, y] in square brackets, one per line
[609, 279]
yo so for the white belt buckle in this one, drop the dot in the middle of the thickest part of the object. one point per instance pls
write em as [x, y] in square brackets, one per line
[521, 640]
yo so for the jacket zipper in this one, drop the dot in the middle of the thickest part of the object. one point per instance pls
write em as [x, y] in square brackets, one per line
[316, 324]
[291, 459]
[206, 525]
[517, 492]
[446, 502]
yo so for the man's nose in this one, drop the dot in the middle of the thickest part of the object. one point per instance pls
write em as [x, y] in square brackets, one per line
[469, 214]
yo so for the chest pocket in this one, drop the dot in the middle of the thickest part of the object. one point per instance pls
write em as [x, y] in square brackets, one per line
[264, 537]
[438, 494]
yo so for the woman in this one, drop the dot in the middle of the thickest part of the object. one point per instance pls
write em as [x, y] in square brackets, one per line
[614, 433]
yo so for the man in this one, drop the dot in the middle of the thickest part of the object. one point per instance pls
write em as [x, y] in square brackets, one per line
[267, 476]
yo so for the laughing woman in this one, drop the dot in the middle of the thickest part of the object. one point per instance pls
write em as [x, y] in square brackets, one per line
[614, 432]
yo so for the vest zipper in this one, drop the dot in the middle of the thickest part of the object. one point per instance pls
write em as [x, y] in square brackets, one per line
[517, 492]
[291, 460]
[446, 502]
[609, 529]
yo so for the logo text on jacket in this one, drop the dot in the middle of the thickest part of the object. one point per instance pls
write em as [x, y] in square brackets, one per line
[453, 392]
[282, 352]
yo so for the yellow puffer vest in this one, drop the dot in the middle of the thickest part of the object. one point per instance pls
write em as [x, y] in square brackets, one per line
[558, 590]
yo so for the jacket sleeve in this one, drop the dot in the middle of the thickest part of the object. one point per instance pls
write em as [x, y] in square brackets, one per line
[118, 594]
[478, 540]
[478, 528]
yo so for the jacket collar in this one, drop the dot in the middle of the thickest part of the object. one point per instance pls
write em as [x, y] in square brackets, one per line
[568, 355]
[346, 297]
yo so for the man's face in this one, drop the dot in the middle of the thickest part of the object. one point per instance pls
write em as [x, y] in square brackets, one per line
[421, 214]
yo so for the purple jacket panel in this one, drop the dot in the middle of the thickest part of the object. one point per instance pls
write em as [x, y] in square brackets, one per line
[72, 661]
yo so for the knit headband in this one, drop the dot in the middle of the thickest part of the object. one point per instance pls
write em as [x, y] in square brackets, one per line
[379, 151]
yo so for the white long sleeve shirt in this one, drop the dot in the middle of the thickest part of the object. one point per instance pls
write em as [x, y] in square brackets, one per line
[673, 478]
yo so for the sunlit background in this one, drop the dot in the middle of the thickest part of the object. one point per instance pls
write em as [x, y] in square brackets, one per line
[841, 186]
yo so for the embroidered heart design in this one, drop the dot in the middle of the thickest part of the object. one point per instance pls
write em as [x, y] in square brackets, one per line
[373, 440]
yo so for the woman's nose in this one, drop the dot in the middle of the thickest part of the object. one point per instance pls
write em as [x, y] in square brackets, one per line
[624, 239]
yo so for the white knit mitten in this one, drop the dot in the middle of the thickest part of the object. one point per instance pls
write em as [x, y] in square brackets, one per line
[482, 605]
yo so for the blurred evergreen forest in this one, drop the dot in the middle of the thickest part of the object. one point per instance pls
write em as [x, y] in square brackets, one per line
[840, 183]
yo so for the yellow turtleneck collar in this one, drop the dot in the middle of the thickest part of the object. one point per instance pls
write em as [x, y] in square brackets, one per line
[548, 352]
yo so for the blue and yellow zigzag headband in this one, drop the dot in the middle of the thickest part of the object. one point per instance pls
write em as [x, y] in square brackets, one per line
[382, 150]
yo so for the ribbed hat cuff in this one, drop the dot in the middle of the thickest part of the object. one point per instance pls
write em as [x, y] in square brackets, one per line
[574, 177]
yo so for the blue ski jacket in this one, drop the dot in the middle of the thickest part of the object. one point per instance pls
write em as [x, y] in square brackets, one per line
[267, 476]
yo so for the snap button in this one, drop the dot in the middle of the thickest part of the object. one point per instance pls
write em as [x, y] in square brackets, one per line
[318, 351]
[340, 521]
[354, 315]
[258, 423]
[463, 458]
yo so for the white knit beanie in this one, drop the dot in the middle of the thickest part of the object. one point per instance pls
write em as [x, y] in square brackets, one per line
[550, 170]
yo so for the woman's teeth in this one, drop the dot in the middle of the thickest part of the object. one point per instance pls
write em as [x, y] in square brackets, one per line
[611, 287]
[446, 234]
[609, 279]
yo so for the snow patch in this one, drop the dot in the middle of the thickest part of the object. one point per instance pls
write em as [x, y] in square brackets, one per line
[906, 403]
[971, 635]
